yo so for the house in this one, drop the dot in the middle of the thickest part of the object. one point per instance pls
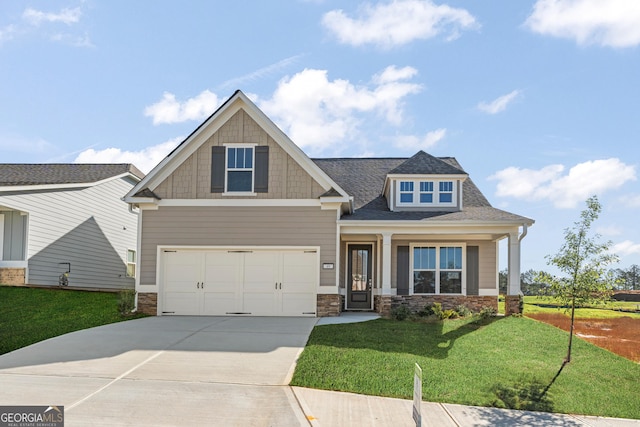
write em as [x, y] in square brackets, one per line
[57, 218]
[237, 220]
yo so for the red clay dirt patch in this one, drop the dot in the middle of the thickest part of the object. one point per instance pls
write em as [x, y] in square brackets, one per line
[619, 335]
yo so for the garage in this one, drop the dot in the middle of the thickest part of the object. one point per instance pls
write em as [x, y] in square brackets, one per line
[280, 282]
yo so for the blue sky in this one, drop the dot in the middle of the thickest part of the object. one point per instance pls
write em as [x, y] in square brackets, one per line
[538, 100]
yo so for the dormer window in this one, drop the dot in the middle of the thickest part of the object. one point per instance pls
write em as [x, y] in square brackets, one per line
[423, 193]
[239, 169]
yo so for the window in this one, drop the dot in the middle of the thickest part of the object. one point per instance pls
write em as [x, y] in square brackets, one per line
[437, 269]
[426, 192]
[131, 263]
[424, 270]
[446, 192]
[239, 169]
[406, 191]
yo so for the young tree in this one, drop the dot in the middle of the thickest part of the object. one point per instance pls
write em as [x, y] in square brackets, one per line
[583, 260]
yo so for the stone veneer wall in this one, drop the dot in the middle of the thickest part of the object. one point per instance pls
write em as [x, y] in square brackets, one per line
[329, 305]
[383, 304]
[12, 276]
[512, 305]
[148, 303]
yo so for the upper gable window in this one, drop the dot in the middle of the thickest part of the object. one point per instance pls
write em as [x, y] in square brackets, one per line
[426, 193]
[239, 169]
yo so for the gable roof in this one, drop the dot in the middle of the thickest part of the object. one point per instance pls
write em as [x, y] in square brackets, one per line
[62, 174]
[425, 164]
[238, 101]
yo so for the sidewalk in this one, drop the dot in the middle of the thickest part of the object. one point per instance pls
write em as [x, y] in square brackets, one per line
[336, 409]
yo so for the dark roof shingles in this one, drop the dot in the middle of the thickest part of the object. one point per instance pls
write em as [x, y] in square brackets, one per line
[364, 179]
[19, 174]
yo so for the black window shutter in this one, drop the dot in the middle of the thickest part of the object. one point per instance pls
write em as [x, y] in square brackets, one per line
[217, 169]
[402, 270]
[261, 184]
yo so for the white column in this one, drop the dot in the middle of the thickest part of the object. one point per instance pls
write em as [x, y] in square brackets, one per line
[513, 283]
[386, 263]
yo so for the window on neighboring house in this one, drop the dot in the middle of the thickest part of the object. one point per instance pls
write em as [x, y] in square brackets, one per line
[437, 269]
[131, 263]
[426, 192]
[406, 191]
[446, 192]
[239, 169]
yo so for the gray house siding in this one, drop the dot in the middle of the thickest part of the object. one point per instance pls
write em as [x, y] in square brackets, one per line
[89, 227]
[237, 226]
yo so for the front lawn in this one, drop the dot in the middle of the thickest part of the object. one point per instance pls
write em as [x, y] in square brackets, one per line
[29, 315]
[612, 309]
[506, 363]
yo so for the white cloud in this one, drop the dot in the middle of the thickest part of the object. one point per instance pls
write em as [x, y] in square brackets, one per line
[7, 33]
[169, 110]
[65, 16]
[415, 143]
[611, 23]
[626, 248]
[631, 200]
[320, 114]
[145, 159]
[611, 230]
[397, 23]
[563, 190]
[499, 104]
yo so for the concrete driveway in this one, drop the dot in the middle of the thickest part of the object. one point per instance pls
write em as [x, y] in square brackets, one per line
[216, 371]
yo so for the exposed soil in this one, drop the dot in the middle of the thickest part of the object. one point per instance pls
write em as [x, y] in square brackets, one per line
[620, 335]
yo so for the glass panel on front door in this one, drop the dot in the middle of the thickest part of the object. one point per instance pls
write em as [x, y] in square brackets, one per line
[359, 290]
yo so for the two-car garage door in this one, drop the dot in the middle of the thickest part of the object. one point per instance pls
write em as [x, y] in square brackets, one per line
[249, 282]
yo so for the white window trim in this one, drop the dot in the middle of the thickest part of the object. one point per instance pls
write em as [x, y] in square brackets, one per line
[438, 245]
[253, 170]
[436, 193]
[135, 263]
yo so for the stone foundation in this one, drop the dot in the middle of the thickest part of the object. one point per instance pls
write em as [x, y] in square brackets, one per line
[148, 303]
[512, 305]
[383, 304]
[12, 276]
[329, 305]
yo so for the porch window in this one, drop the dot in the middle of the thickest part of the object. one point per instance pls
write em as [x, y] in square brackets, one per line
[437, 269]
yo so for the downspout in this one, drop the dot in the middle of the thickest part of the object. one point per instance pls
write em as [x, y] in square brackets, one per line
[524, 233]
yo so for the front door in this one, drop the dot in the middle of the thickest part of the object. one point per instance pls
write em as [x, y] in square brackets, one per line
[360, 279]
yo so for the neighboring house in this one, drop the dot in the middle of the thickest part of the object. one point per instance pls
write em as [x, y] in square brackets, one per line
[237, 220]
[60, 217]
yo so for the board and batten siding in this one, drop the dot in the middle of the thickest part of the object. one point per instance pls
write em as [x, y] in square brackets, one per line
[192, 179]
[89, 227]
[237, 227]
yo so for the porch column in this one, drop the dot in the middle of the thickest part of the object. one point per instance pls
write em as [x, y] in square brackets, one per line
[386, 263]
[513, 282]
[512, 299]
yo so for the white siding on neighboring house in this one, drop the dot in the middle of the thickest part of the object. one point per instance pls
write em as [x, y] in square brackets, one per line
[90, 227]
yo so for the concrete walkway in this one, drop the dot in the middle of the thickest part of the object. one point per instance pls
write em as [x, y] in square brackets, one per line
[215, 371]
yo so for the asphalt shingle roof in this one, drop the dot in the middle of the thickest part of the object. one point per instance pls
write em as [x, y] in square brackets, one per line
[19, 174]
[364, 178]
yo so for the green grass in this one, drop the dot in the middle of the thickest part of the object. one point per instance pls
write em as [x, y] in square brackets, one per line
[29, 315]
[503, 363]
[533, 305]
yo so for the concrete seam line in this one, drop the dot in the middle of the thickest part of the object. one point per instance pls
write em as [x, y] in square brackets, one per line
[118, 378]
[313, 421]
[450, 414]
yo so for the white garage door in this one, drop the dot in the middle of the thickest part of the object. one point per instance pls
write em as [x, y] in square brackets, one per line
[247, 282]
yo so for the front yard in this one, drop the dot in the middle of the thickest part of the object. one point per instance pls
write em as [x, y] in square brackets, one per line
[506, 363]
[29, 315]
